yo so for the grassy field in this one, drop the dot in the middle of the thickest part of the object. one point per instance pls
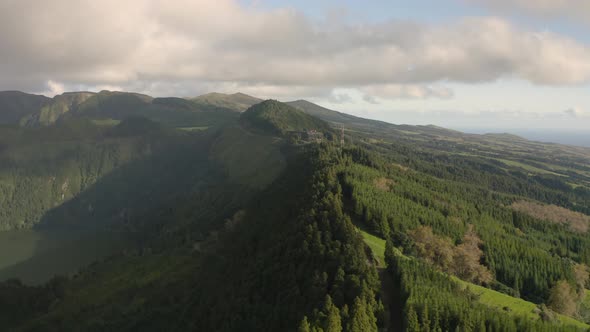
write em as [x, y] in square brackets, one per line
[527, 167]
[377, 245]
[487, 296]
[193, 128]
[516, 306]
[106, 122]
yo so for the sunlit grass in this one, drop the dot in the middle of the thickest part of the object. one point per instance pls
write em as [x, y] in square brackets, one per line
[377, 245]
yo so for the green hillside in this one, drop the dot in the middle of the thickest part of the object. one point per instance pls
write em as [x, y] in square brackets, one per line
[333, 116]
[276, 118]
[47, 168]
[14, 105]
[116, 106]
[237, 102]
[240, 221]
[59, 106]
[502, 162]
[494, 299]
[233, 149]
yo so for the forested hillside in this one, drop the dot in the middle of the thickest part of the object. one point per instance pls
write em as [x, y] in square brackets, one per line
[246, 226]
[237, 101]
[15, 105]
[275, 118]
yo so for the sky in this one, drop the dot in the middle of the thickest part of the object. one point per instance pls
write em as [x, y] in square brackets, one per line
[454, 63]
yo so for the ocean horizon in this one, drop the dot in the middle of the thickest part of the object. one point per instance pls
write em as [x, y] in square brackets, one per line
[560, 136]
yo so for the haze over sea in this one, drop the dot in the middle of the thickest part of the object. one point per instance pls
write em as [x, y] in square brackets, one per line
[561, 136]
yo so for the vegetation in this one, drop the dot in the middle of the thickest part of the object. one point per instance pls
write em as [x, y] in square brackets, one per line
[240, 226]
[237, 102]
[578, 222]
[107, 107]
[435, 302]
[15, 105]
[275, 118]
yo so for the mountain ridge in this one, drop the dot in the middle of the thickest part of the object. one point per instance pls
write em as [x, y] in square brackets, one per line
[238, 101]
[257, 212]
[51, 110]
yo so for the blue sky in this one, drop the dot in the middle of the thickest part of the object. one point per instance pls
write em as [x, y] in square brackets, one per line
[455, 63]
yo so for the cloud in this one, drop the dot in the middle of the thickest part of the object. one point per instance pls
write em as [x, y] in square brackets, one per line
[401, 91]
[177, 47]
[578, 10]
[575, 112]
[340, 98]
[54, 88]
[370, 99]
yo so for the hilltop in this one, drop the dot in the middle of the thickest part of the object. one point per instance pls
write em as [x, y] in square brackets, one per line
[238, 101]
[14, 105]
[274, 117]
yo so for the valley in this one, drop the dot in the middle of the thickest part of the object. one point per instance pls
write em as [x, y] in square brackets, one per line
[294, 166]
[225, 212]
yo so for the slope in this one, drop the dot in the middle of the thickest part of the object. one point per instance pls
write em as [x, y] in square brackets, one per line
[110, 107]
[15, 105]
[186, 286]
[499, 301]
[455, 155]
[44, 168]
[238, 102]
[242, 227]
[276, 118]
[58, 106]
[333, 116]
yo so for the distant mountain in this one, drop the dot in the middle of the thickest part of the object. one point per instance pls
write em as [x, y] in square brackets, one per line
[15, 105]
[174, 102]
[328, 114]
[274, 117]
[237, 102]
[505, 136]
[117, 106]
[56, 108]
[358, 123]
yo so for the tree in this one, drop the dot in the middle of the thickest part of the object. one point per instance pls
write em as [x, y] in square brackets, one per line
[466, 260]
[304, 326]
[412, 320]
[434, 249]
[360, 321]
[333, 322]
[581, 278]
[563, 298]
[425, 319]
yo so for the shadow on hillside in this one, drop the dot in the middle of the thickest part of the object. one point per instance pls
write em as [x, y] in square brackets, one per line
[60, 253]
[106, 218]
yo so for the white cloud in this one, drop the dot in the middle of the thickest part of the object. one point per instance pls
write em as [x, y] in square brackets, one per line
[370, 99]
[406, 91]
[54, 88]
[173, 47]
[340, 98]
